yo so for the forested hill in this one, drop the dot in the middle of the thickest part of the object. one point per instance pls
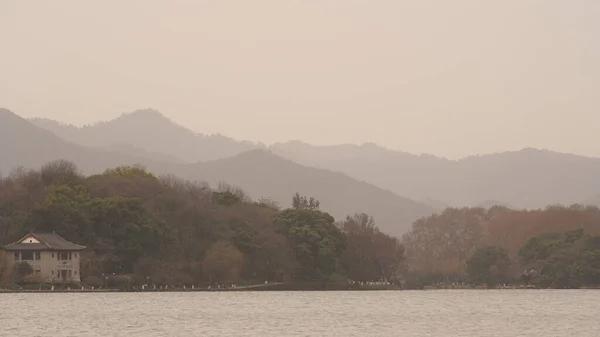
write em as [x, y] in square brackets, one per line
[260, 173]
[142, 227]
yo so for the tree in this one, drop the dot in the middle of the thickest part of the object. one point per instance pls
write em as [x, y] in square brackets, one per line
[20, 272]
[439, 245]
[126, 230]
[60, 172]
[489, 265]
[301, 202]
[223, 263]
[5, 270]
[587, 266]
[129, 171]
[65, 209]
[314, 241]
[566, 260]
[370, 254]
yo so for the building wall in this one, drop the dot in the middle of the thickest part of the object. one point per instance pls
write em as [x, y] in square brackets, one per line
[49, 266]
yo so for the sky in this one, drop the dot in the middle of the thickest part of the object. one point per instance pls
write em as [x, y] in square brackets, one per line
[449, 78]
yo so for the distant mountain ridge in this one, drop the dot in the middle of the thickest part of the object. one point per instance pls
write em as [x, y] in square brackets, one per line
[151, 131]
[23, 144]
[529, 178]
[259, 172]
[262, 173]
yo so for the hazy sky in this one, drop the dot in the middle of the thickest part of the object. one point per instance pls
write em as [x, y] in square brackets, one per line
[450, 78]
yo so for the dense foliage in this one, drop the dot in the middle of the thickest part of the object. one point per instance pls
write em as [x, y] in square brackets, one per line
[489, 266]
[164, 230]
[169, 231]
[565, 260]
[554, 247]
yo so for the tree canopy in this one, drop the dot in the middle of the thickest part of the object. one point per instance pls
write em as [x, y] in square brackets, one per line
[552, 247]
[168, 230]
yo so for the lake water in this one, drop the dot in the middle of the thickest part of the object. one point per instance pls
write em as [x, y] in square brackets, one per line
[469, 313]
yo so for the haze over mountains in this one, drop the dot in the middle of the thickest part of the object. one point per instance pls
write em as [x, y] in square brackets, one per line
[151, 131]
[259, 172]
[345, 178]
[529, 178]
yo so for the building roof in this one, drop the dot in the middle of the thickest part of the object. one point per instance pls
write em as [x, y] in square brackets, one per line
[43, 241]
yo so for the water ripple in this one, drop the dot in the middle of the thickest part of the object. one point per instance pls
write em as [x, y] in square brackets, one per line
[502, 313]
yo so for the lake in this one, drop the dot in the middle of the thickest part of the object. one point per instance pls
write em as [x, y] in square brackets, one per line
[451, 313]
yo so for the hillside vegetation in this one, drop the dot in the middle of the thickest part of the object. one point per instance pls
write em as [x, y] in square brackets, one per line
[172, 231]
[553, 247]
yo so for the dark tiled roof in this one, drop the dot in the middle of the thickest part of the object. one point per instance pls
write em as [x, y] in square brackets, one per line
[26, 246]
[48, 241]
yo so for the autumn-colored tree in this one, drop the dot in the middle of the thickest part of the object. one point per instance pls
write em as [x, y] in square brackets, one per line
[223, 263]
[6, 272]
[437, 245]
[442, 243]
[370, 255]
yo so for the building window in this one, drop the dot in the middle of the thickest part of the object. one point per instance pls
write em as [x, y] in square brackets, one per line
[70, 273]
[17, 256]
[27, 256]
[53, 272]
[52, 255]
[37, 255]
[70, 257]
[63, 256]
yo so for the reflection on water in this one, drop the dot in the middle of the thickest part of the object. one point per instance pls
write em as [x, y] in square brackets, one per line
[471, 313]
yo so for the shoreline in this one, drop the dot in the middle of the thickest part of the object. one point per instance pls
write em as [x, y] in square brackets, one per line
[270, 288]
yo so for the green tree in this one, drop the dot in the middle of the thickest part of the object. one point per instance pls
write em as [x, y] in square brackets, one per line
[65, 209]
[489, 265]
[20, 271]
[587, 267]
[125, 230]
[556, 258]
[314, 241]
[129, 171]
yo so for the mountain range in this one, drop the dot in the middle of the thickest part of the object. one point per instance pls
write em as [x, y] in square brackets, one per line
[395, 187]
[529, 178]
[259, 172]
[150, 131]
